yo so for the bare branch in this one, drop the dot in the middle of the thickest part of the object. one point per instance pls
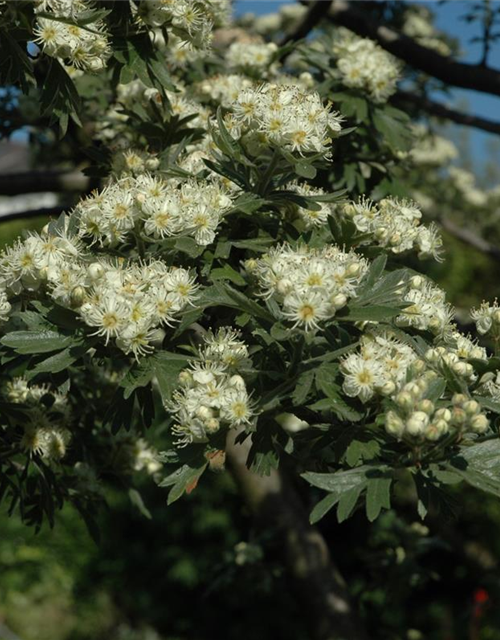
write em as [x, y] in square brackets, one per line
[458, 74]
[275, 504]
[316, 12]
[12, 184]
[442, 111]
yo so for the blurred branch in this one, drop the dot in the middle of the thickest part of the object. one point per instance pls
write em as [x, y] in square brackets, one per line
[276, 505]
[12, 184]
[442, 111]
[316, 12]
[470, 238]
[458, 74]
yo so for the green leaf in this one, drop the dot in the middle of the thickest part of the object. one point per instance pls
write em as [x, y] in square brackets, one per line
[323, 507]
[221, 294]
[167, 367]
[28, 342]
[184, 480]
[479, 466]
[56, 363]
[378, 496]
[372, 313]
[139, 375]
[305, 170]
[137, 501]
[303, 387]
[348, 501]
[227, 273]
[488, 403]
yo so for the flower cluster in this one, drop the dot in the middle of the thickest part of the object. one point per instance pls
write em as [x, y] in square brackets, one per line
[395, 225]
[312, 217]
[380, 366]
[5, 306]
[311, 285]
[428, 309]
[84, 46]
[191, 21]
[135, 454]
[250, 57]
[431, 149]
[418, 419]
[126, 302]
[212, 396]
[44, 426]
[443, 358]
[286, 117]
[417, 25]
[224, 89]
[158, 208]
[362, 64]
[487, 318]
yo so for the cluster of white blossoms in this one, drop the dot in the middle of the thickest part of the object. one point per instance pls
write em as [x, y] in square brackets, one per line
[487, 318]
[212, 395]
[465, 183]
[427, 308]
[430, 149]
[417, 25]
[137, 455]
[311, 217]
[310, 285]
[250, 57]
[153, 206]
[192, 21]
[224, 89]
[380, 366]
[286, 117]
[418, 419]
[443, 358]
[44, 425]
[84, 47]
[126, 302]
[395, 225]
[363, 65]
[270, 23]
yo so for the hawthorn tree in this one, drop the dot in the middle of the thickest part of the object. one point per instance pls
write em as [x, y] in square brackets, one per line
[237, 279]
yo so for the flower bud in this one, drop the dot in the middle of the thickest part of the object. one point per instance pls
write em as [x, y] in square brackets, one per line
[459, 398]
[458, 417]
[417, 422]
[353, 270]
[77, 297]
[204, 413]
[387, 389]
[394, 425]
[471, 407]
[427, 406]
[237, 382]
[479, 423]
[95, 271]
[339, 301]
[461, 368]
[404, 400]
[416, 282]
[212, 425]
[495, 316]
[185, 378]
[443, 414]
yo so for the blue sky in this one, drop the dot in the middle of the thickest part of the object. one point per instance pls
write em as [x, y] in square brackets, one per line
[448, 18]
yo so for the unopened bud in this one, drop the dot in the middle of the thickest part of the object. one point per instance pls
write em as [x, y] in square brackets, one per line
[212, 425]
[77, 297]
[427, 406]
[416, 282]
[471, 407]
[95, 271]
[404, 400]
[394, 425]
[417, 422]
[339, 301]
[479, 423]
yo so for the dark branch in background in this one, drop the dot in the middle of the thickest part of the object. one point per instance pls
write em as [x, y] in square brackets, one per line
[316, 12]
[470, 238]
[402, 98]
[12, 184]
[458, 74]
[34, 213]
[313, 576]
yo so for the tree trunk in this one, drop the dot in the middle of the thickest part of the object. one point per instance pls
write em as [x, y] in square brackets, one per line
[315, 579]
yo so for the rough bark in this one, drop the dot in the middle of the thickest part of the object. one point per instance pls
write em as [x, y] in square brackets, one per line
[313, 575]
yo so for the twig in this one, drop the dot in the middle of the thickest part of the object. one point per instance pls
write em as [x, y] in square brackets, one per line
[442, 111]
[316, 12]
[275, 503]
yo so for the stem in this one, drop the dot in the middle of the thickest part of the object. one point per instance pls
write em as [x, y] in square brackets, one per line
[317, 582]
[268, 174]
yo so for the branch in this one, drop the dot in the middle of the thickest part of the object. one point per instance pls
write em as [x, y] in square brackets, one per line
[442, 111]
[12, 184]
[458, 74]
[470, 238]
[316, 12]
[274, 503]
